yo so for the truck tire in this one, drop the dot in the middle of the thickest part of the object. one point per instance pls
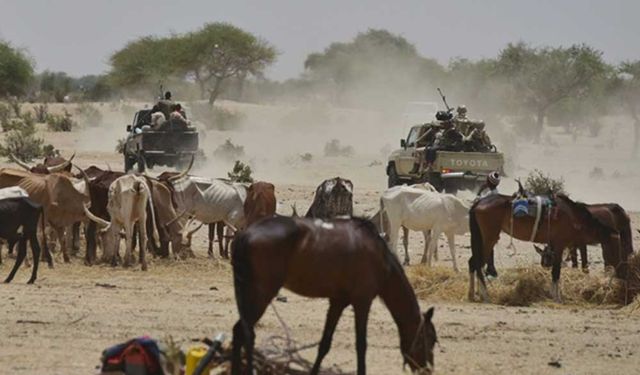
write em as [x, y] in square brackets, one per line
[393, 179]
[141, 163]
[435, 180]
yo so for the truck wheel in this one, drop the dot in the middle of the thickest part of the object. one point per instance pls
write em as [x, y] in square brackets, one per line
[393, 176]
[141, 163]
[434, 179]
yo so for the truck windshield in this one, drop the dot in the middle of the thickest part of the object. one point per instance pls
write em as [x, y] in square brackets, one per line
[412, 137]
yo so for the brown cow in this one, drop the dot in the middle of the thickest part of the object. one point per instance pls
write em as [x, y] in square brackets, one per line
[62, 202]
[260, 202]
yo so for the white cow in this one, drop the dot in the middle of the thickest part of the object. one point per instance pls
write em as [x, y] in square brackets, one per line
[423, 210]
[221, 201]
[128, 198]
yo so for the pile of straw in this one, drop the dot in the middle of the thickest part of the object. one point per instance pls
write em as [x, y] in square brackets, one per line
[520, 286]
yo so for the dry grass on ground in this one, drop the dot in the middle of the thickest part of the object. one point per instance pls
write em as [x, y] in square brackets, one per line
[519, 286]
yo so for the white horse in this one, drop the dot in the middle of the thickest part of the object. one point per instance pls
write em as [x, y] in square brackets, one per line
[425, 210]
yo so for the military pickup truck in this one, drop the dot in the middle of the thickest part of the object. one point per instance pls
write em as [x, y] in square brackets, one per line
[173, 145]
[451, 171]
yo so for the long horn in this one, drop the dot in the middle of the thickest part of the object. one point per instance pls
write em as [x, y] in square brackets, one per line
[84, 176]
[92, 217]
[20, 162]
[183, 173]
[62, 166]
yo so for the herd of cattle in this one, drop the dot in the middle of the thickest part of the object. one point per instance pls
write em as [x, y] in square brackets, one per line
[162, 213]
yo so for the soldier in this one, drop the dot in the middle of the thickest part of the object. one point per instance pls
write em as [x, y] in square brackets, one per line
[165, 105]
[477, 140]
[461, 120]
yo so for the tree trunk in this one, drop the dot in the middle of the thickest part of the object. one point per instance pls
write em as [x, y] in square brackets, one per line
[241, 81]
[203, 89]
[213, 93]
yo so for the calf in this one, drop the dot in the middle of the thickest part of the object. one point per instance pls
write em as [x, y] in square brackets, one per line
[22, 212]
[260, 202]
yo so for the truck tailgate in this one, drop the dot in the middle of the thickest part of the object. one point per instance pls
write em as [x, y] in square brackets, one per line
[169, 142]
[469, 161]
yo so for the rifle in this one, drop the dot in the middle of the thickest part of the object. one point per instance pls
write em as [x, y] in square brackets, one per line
[444, 99]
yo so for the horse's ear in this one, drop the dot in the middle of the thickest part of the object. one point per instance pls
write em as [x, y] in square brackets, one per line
[429, 314]
[538, 250]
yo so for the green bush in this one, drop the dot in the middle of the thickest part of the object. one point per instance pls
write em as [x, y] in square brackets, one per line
[120, 145]
[23, 144]
[42, 112]
[539, 183]
[16, 106]
[61, 123]
[5, 113]
[17, 124]
[241, 173]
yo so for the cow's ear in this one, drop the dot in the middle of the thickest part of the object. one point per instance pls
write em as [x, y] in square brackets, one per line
[428, 315]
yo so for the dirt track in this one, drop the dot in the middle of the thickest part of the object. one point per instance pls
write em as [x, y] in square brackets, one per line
[61, 324]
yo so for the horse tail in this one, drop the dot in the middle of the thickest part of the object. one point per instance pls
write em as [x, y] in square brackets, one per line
[242, 275]
[626, 241]
[477, 251]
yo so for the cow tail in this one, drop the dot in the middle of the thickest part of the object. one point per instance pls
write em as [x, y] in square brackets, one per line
[156, 236]
[45, 246]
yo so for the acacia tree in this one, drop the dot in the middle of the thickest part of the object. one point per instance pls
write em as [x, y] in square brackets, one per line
[542, 77]
[630, 89]
[16, 70]
[219, 51]
[144, 61]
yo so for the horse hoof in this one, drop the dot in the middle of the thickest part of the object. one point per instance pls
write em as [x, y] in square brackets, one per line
[31, 281]
[144, 267]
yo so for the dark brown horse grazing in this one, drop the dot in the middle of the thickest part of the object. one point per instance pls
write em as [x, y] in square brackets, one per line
[569, 224]
[344, 260]
[613, 216]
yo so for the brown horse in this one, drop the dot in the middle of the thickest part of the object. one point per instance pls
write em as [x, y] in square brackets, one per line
[568, 224]
[613, 216]
[344, 260]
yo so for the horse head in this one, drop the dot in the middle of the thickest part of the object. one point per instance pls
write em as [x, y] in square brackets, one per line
[420, 354]
[546, 255]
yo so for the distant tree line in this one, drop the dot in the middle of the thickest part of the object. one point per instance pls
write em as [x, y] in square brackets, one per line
[569, 86]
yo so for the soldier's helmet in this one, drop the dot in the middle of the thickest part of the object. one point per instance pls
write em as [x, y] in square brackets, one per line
[462, 110]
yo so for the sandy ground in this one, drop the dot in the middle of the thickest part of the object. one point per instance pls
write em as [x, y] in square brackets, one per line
[61, 324]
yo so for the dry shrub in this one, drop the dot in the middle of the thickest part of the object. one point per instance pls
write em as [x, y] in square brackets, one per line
[539, 183]
[517, 286]
[335, 148]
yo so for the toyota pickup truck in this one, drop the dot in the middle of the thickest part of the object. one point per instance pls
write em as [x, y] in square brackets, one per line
[451, 171]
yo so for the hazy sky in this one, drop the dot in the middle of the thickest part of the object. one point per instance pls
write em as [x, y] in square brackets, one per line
[77, 36]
